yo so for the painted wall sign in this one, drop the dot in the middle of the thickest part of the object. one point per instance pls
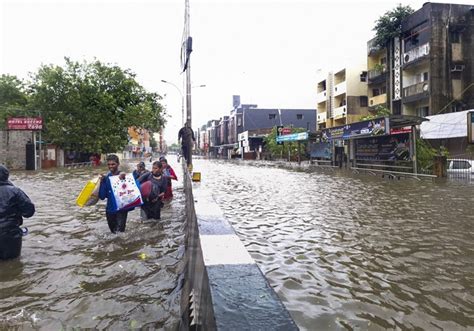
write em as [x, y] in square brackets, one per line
[25, 123]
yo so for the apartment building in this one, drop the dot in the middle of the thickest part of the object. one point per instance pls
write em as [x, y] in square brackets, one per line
[342, 97]
[430, 68]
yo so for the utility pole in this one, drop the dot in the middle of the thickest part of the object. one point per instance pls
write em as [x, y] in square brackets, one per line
[186, 51]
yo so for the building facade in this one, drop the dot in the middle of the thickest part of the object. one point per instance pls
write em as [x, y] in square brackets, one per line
[429, 69]
[342, 97]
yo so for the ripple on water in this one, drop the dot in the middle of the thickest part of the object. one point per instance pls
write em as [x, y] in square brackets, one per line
[355, 252]
[74, 274]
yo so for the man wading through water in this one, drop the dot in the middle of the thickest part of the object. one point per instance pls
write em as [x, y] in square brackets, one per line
[14, 205]
[117, 220]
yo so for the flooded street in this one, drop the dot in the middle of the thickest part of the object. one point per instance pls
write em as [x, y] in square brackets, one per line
[355, 252]
[73, 273]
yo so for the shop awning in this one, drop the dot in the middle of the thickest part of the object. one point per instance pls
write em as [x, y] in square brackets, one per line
[443, 126]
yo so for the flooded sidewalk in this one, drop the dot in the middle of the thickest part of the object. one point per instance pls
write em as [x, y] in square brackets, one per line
[73, 273]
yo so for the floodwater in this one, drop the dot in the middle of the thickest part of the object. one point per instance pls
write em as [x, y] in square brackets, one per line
[73, 273]
[355, 252]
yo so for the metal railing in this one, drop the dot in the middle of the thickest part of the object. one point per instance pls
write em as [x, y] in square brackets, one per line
[422, 87]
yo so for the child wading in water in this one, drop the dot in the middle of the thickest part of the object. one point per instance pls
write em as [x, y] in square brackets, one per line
[153, 203]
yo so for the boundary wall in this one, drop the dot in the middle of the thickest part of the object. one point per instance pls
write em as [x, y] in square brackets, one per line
[223, 287]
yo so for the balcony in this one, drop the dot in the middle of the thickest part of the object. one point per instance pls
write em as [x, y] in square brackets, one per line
[321, 97]
[322, 117]
[340, 88]
[416, 54]
[339, 112]
[416, 92]
[377, 72]
[377, 100]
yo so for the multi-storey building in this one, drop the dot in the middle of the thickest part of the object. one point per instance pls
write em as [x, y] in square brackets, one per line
[342, 97]
[223, 134]
[429, 69]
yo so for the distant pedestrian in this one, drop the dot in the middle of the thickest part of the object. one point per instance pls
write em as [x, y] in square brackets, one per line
[140, 171]
[14, 205]
[153, 203]
[186, 135]
[116, 220]
[169, 173]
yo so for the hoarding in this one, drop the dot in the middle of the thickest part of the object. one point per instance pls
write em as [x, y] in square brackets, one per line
[25, 123]
[293, 137]
[384, 148]
[375, 127]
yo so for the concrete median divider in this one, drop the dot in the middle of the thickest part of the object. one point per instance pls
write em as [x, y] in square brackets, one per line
[223, 287]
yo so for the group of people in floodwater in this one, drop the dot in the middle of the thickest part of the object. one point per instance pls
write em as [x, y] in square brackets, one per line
[15, 204]
[160, 178]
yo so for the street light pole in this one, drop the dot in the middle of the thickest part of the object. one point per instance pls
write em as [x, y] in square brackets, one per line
[182, 98]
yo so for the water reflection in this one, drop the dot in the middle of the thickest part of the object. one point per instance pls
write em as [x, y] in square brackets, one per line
[355, 252]
[74, 273]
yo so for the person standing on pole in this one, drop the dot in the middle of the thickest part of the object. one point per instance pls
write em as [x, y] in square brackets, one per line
[186, 135]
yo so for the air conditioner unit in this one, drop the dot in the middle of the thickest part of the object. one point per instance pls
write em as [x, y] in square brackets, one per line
[457, 67]
[426, 50]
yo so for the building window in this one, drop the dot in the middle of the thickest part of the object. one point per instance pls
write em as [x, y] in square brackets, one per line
[363, 101]
[425, 76]
[299, 116]
[422, 111]
[375, 92]
[455, 37]
[363, 76]
[271, 116]
[239, 121]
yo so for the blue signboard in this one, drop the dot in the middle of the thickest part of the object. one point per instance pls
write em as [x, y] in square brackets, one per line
[320, 150]
[375, 127]
[293, 137]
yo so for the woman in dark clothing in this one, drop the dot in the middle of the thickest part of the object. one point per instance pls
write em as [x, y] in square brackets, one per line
[14, 205]
[153, 204]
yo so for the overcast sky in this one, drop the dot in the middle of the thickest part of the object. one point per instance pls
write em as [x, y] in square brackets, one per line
[268, 52]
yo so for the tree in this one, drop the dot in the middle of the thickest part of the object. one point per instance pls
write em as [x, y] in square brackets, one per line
[380, 111]
[13, 98]
[88, 107]
[274, 149]
[389, 25]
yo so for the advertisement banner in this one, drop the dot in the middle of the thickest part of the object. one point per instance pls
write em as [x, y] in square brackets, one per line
[293, 137]
[320, 150]
[375, 127]
[25, 123]
[384, 148]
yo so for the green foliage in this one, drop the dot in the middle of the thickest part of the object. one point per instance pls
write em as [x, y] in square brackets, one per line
[13, 98]
[274, 149]
[89, 106]
[380, 111]
[424, 155]
[389, 25]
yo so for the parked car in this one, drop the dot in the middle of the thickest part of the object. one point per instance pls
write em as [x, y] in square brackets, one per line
[460, 167]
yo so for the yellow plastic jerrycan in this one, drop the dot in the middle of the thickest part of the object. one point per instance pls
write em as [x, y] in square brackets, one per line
[86, 193]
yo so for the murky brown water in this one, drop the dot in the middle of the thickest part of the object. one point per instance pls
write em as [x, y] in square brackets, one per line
[74, 273]
[355, 252]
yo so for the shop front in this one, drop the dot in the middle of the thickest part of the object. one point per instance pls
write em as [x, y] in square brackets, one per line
[385, 143]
